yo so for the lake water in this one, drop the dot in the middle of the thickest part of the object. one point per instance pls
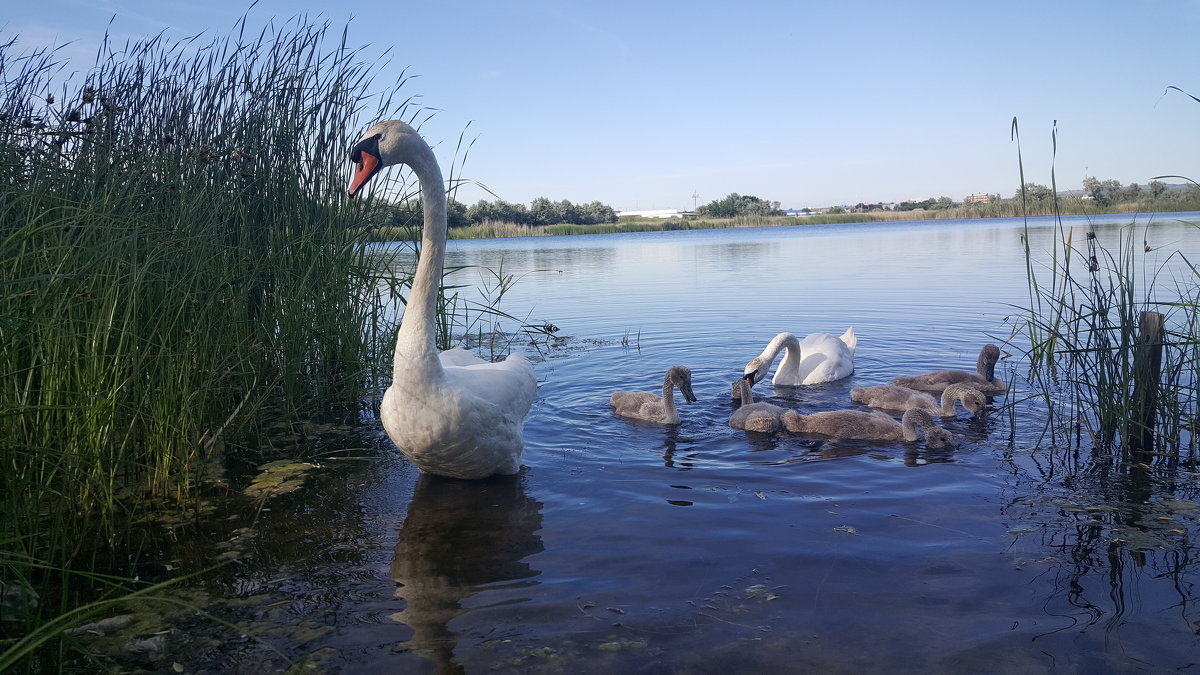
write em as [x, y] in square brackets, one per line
[700, 548]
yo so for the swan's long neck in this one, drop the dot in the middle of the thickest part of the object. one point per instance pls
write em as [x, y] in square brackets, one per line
[416, 341]
[950, 396]
[791, 360]
[791, 355]
[908, 425]
[985, 367]
[668, 395]
[742, 388]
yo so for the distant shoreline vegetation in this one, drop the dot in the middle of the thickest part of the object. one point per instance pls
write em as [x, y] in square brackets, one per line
[1110, 197]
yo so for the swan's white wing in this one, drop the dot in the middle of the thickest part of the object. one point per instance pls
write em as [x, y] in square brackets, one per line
[469, 426]
[457, 356]
[823, 358]
[510, 385]
[824, 343]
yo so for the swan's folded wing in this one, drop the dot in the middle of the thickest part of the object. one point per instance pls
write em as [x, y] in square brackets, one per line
[640, 405]
[510, 385]
[457, 356]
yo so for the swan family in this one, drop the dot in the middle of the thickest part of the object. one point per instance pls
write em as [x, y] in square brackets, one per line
[454, 414]
[832, 357]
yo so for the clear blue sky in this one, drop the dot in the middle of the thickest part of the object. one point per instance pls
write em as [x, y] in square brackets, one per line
[641, 104]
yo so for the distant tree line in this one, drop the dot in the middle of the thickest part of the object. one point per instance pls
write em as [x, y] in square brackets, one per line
[736, 205]
[931, 204]
[1103, 194]
[540, 211]
[1109, 193]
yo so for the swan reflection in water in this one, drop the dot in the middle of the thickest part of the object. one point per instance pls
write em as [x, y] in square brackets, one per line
[458, 537]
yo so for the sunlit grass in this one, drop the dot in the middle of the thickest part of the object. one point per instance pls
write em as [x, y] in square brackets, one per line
[176, 254]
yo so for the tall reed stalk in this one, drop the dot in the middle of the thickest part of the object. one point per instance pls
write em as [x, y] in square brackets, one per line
[176, 252]
[1083, 329]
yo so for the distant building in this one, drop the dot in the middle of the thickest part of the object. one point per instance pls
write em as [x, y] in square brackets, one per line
[978, 198]
[655, 213]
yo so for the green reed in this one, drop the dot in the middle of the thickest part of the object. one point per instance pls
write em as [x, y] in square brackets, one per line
[176, 253]
[1082, 324]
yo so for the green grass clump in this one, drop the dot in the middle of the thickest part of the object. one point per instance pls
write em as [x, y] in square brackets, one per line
[176, 253]
[1086, 344]
[1088, 357]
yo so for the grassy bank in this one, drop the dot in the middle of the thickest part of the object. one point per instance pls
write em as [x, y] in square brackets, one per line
[493, 230]
[176, 255]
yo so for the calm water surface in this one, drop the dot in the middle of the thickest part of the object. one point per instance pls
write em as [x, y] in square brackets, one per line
[700, 548]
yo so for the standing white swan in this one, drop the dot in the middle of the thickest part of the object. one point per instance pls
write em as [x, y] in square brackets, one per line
[642, 405]
[751, 416]
[873, 425]
[455, 414]
[983, 379]
[818, 358]
[895, 397]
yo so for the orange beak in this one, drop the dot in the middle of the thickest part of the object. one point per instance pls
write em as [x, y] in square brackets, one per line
[366, 167]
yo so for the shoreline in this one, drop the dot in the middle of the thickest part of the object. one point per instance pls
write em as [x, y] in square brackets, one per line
[501, 230]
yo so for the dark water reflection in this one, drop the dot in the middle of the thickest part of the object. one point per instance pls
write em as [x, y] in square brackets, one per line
[459, 537]
[699, 548]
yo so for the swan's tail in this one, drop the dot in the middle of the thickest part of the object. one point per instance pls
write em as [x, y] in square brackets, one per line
[850, 338]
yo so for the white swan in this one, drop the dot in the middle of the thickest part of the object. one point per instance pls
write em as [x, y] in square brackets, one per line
[751, 416]
[984, 378]
[871, 425]
[820, 357]
[452, 415]
[895, 397]
[642, 405]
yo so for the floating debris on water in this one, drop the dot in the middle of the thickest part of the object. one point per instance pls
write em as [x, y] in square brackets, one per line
[621, 645]
[279, 477]
[102, 627]
[760, 591]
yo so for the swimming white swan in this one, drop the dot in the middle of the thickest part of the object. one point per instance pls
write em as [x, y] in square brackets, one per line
[895, 397]
[984, 378]
[455, 414]
[820, 357]
[873, 425]
[642, 405]
[751, 416]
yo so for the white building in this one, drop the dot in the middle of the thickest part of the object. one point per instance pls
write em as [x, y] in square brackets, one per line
[655, 213]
